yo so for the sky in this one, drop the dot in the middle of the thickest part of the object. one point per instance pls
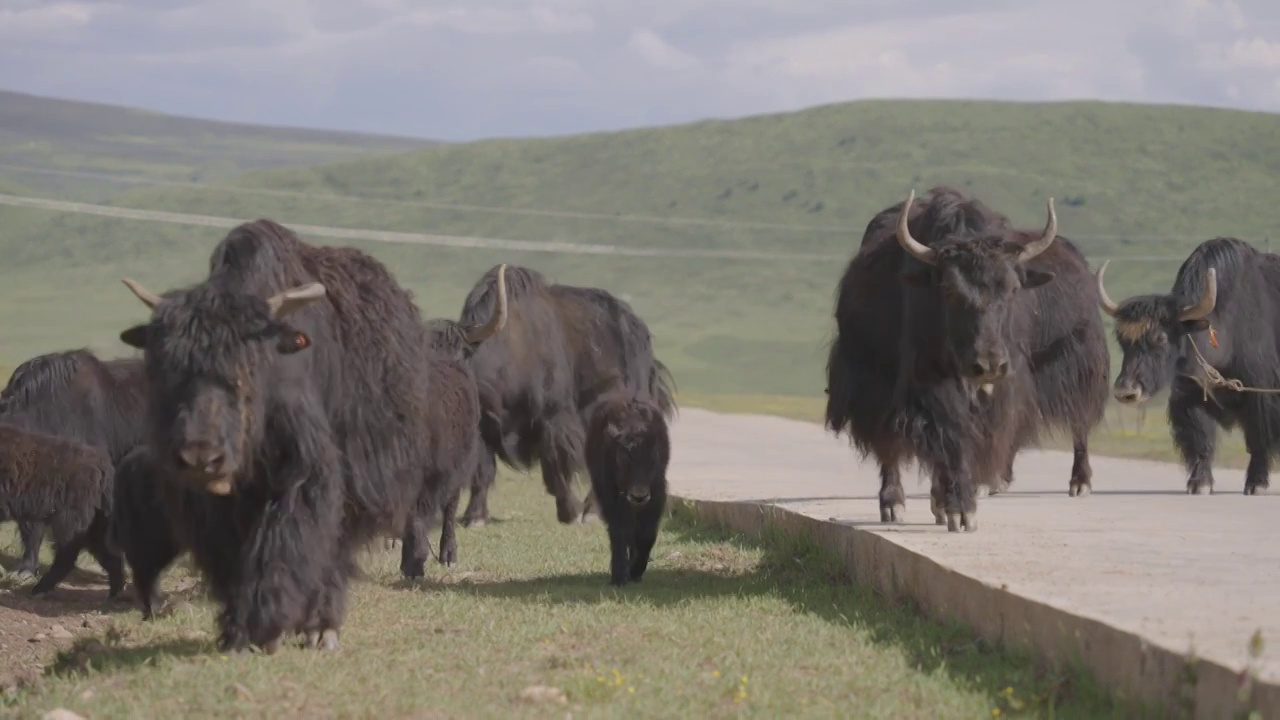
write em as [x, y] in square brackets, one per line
[467, 69]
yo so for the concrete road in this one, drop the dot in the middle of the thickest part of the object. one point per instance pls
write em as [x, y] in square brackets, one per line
[1138, 554]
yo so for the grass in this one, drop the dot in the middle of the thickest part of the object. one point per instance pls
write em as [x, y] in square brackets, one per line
[721, 626]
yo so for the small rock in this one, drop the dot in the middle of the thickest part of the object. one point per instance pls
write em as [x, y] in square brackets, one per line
[38, 637]
[57, 632]
[542, 693]
[61, 714]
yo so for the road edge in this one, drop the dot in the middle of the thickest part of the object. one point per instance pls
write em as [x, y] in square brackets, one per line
[1120, 660]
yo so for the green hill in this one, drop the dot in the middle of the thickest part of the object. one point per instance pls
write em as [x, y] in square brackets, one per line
[68, 135]
[1130, 181]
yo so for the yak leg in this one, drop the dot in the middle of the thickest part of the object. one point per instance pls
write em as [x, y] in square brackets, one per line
[414, 547]
[110, 560]
[477, 512]
[1195, 432]
[64, 561]
[938, 500]
[893, 499]
[961, 501]
[1081, 471]
[147, 565]
[1257, 477]
[32, 534]
[557, 476]
[621, 539]
[645, 535]
[448, 531]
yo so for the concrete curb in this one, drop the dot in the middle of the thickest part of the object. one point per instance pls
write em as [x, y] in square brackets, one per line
[1120, 660]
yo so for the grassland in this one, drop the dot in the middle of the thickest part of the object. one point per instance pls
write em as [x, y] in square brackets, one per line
[78, 137]
[1139, 184]
[721, 626]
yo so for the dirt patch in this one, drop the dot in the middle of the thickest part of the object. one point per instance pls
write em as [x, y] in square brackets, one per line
[33, 630]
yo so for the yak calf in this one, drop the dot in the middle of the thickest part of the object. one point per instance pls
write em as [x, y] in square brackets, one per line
[67, 486]
[627, 451]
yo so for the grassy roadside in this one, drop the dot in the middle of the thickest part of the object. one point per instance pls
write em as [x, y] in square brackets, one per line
[721, 626]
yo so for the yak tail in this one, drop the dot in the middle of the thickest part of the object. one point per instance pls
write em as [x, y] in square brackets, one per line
[662, 385]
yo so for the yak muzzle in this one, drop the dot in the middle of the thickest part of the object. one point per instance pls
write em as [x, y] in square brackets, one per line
[1129, 393]
[205, 466]
[638, 498]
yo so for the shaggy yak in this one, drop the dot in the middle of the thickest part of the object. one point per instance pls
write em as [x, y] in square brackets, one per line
[75, 395]
[1224, 300]
[68, 486]
[454, 443]
[289, 387]
[140, 529]
[627, 452]
[958, 348]
[563, 347]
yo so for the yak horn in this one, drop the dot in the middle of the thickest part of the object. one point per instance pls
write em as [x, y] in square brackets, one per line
[1050, 232]
[1108, 305]
[147, 297]
[923, 253]
[289, 301]
[499, 319]
[1208, 299]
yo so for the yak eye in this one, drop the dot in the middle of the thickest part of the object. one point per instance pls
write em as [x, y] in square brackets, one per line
[1161, 340]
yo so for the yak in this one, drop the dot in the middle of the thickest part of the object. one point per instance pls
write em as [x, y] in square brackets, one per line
[958, 348]
[288, 388]
[68, 485]
[454, 442]
[627, 452]
[563, 348]
[1221, 308]
[73, 394]
[140, 529]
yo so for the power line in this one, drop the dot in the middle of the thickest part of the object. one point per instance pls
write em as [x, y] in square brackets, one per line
[653, 219]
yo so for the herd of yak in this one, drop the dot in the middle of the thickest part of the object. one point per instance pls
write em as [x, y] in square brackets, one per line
[294, 404]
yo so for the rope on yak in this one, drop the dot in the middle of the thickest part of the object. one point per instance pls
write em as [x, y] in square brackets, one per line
[1216, 379]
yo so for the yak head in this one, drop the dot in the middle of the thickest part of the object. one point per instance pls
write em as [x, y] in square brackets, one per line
[977, 278]
[1149, 330]
[208, 354]
[459, 341]
[641, 450]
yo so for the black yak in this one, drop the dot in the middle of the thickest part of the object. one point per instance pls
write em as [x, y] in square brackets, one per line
[289, 387]
[66, 485]
[563, 348]
[73, 394]
[140, 529]
[1224, 303]
[627, 453]
[454, 441]
[957, 349]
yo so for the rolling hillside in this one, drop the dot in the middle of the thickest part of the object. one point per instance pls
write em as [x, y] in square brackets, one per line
[67, 135]
[1130, 182]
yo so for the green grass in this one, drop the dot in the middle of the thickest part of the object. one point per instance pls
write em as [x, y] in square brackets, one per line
[720, 626]
[67, 135]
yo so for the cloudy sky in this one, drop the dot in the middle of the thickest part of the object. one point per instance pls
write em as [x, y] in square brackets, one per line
[462, 69]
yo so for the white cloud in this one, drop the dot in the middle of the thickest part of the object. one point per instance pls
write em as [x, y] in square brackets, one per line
[457, 69]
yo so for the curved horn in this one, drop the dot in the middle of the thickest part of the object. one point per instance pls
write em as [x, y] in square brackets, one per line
[1046, 239]
[147, 297]
[1108, 305]
[923, 253]
[293, 299]
[1208, 299]
[499, 319]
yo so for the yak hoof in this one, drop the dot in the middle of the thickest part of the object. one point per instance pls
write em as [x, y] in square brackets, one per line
[893, 513]
[1079, 489]
[476, 522]
[953, 522]
[1199, 488]
[448, 557]
[1257, 489]
[969, 521]
[329, 639]
[390, 543]
[313, 640]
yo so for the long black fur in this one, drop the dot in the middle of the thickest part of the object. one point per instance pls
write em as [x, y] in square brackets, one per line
[1244, 321]
[73, 394]
[563, 348]
[320, 418]
[895, 390]
[140, 527]
[627, 453]
[66, 485]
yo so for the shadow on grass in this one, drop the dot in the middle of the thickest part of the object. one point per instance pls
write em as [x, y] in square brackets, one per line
[813, 581]
[93, 655]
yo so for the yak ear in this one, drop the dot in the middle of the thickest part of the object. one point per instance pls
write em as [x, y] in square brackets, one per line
[136, 336]
[1191, 326]
[1035, 278]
